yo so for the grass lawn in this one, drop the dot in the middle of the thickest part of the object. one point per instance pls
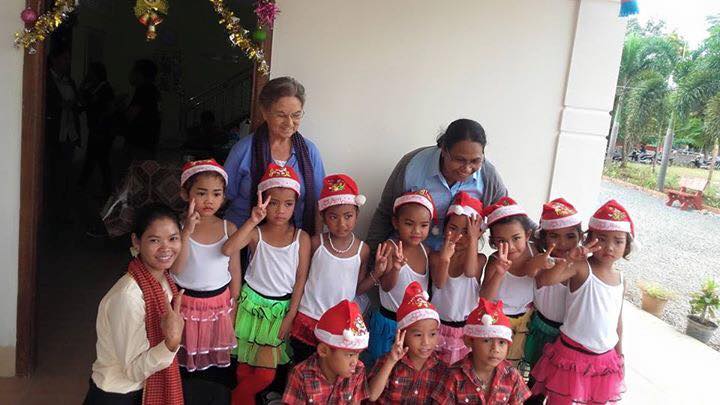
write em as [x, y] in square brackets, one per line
[642, 175]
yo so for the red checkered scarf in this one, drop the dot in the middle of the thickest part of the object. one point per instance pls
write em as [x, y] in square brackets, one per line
[163, 387]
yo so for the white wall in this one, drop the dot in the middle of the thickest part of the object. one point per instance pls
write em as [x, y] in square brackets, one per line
[385, 77]
[10, 115]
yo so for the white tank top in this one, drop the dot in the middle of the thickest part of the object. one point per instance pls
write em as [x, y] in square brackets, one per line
[550, 301]
[206, 268]
[457, 298]
[592, 314]
[331, 279]
[272, 269]
[516, 293]
[392, 299]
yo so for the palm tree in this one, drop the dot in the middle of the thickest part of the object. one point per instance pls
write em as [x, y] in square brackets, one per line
[699, 90]
[646, 108]
[643, 52]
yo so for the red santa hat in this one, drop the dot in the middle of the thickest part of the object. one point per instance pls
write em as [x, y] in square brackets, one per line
[465, 204]
[190, 169]
[342, 327]
[421, 197]
[503, 208]
[612, 217]
[487, 320]
[339, 189]
[415, 307]
[279, 176]
[558, 214]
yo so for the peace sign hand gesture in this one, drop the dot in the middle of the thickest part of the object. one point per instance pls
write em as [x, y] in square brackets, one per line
[259, 212]
[191, 220]
[502, 263]
[397, 352]
[398, 257]
[382, 255]
[448, 247]
[581, 252]
[544, 261]
[172, 323]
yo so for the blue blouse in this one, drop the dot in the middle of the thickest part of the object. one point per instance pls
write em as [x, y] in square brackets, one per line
[423, 171]
[239, 166]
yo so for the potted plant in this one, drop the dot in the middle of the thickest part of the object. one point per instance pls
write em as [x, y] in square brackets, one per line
[654, 298]
[703, 305]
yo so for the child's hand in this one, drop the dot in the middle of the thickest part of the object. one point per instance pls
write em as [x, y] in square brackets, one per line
[382, 255]
[544, 261]
[448, 247]
[473, 226]
[502, 263]
[397, 351]
[259, 212]
[581, 252]
[285, 327]
[191, 220]
[398, 257]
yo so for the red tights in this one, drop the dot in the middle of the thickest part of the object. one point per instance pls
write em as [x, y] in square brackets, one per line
[251, 380]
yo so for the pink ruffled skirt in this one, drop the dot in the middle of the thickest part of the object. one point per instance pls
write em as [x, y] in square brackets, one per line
[209, 336]
[451, 346]
[567, 373]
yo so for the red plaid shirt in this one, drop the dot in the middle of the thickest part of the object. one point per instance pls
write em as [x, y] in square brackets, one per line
[308, 385]
[407, 385]
[461, 385]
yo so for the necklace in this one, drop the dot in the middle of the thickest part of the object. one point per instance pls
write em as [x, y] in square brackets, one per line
[352, 242]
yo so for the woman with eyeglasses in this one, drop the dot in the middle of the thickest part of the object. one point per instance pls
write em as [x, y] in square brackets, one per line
[277, 140]
[457, 163]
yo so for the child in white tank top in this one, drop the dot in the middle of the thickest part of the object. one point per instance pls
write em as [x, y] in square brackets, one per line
[456, 273]
[560, 233]
[211, 279]
[590, 344]
[508, 275]
[274, 281]
[413, 214]
[338, 269]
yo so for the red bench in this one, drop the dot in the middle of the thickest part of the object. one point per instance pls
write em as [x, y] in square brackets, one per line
[690, 193]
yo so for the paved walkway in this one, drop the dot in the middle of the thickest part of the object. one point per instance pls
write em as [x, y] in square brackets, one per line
[664, 366]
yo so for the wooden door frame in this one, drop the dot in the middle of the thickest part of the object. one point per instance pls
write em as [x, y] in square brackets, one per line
[31, 190]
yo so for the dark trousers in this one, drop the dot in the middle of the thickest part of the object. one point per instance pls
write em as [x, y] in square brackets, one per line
[195, 392]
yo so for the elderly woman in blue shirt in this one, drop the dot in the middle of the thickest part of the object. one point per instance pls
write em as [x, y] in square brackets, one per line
[276, 140]
[457, 163]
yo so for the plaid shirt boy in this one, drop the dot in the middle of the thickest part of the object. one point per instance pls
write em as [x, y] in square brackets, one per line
[307, 384]
[408, 386]
[461, 385]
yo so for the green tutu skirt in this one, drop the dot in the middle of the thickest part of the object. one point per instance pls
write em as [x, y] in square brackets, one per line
[540, 333]
[256, 327]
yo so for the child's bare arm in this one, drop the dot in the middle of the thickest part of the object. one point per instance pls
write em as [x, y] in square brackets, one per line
[472, 258]
[440, 261]
[364, 281]
[234, 267]
[618, 346]
[299, 287]
[247, 233]
[191, 220]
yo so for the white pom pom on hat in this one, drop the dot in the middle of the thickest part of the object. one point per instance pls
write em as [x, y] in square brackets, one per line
[348, 334]
[487, 320]
[360, 200]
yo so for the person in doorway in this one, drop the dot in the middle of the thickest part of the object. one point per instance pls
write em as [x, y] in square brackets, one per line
[143, 113]
[98, 100]
[457, 163]
[62, 131]
[277, 141]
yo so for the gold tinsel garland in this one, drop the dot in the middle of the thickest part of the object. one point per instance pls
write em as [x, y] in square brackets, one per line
[239, 36]
[44, 26]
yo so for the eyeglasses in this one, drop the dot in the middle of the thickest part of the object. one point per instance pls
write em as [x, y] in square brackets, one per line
[296, 116]
[462, 162]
